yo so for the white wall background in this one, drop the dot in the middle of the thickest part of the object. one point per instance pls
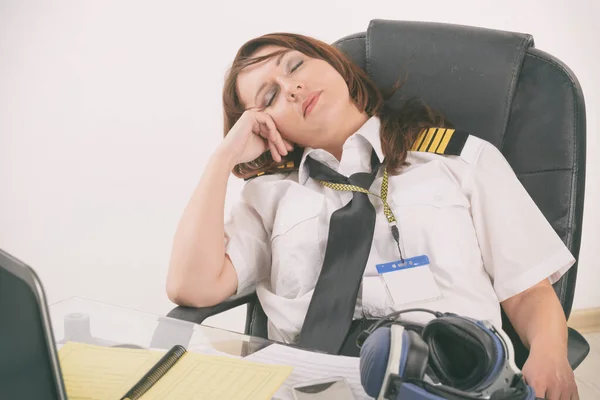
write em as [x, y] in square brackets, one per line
[110, 109]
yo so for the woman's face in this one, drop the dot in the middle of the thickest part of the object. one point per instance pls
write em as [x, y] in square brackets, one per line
[306, 97]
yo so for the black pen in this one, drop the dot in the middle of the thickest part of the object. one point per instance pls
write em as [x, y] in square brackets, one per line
[156, 372]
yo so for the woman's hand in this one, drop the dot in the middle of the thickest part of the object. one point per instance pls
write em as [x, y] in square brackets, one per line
[550, 375]
[253, 134]
[539, 319]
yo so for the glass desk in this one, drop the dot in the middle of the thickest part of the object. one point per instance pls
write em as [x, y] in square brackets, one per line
[86, 321]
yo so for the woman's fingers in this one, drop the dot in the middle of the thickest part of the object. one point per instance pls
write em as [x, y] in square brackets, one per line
[269, 131]
[288, 145]
[274, 152]
[265, 127]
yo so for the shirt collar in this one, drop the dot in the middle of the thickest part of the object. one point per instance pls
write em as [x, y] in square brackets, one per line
[368, 131]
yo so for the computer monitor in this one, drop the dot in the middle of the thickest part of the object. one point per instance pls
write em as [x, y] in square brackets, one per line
[29, 366]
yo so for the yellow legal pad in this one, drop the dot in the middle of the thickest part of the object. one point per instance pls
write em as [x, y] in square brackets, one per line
[107, 373]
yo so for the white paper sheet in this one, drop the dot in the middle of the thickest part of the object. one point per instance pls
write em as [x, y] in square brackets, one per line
[310, 366]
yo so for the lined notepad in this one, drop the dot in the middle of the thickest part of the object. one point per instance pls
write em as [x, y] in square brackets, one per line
[107, 373]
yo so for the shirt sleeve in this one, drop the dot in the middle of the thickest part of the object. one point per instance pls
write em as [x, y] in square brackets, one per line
[247, 244]
[518, 245]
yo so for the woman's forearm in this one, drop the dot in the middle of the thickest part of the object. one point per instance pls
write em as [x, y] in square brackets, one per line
[538, 318]
[198, 253]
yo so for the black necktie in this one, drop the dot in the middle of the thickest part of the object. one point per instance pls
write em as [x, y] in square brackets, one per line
[351, 228]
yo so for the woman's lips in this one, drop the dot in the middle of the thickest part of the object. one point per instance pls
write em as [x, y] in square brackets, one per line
[310, 102]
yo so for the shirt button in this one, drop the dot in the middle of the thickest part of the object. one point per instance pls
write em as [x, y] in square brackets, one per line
[437, 197]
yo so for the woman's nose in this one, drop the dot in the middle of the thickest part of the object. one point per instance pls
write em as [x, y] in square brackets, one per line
[291, 89]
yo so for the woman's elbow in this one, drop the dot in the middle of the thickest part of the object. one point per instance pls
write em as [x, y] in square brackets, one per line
[181, 293]
[201, 290]
[175, 292]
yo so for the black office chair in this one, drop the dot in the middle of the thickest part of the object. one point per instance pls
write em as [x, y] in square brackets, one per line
[497, 86]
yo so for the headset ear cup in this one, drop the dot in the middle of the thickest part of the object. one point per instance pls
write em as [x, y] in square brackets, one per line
[416, 358]
[374, 356]
[461, 354]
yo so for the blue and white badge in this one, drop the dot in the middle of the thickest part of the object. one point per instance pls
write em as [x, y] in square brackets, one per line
[409, 282]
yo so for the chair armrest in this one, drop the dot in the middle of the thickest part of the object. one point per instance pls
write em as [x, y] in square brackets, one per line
[171, 330]
[577, 348]
[197, 315]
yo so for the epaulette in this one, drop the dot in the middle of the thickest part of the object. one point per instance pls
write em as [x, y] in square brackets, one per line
[441, 141]
[282, 168]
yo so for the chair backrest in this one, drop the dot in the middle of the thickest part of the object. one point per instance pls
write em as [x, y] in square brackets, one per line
[497, 86]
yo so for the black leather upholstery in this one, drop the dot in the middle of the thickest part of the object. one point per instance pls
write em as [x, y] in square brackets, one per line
[497, 86]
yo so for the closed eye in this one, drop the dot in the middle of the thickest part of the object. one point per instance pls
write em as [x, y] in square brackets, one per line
[272, 99]
[296, 66]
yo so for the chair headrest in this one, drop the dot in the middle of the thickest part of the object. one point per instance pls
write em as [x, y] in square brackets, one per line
[468, 73]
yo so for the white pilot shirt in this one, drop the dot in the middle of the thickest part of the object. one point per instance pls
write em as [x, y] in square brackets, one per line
[483, 234]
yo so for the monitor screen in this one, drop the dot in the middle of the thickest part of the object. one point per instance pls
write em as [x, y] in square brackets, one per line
[26, 370]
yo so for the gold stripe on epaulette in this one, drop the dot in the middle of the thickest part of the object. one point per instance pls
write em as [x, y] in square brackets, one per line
[419, 140]
[433, 140]
[427, 139]
[442, 147]
[289, 164]
[284, 167]
[437, 138]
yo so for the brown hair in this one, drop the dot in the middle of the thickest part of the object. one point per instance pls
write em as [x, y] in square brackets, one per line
[400, 125]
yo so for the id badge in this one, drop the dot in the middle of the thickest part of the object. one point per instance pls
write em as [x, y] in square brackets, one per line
[409, 282]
